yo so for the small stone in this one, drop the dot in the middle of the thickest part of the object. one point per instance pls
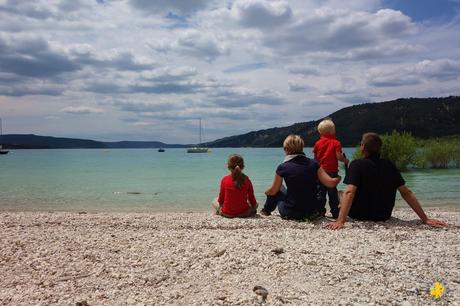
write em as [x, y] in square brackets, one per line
[261, 291]
[82, 303]
[278, 251]
[219, 253]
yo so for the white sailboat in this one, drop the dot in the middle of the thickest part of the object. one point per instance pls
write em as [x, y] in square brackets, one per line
[198, 149]
[2, 152]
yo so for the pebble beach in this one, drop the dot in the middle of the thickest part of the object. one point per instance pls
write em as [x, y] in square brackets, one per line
[197, 258]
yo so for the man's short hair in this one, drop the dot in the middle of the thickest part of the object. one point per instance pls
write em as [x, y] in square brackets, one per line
[326, 126]
[372, 143]
[293, 144]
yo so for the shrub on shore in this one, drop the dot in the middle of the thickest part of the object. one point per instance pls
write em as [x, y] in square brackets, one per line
[442, 153]
[400, 148]
[456, 153]
[405, 151]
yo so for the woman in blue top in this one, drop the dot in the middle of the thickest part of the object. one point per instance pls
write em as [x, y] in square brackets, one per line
[301, 175]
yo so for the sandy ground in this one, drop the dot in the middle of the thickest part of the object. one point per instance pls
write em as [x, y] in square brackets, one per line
[202, 259]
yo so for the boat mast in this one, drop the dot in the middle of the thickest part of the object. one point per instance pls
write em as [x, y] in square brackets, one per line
[1, 131]
[200, 133]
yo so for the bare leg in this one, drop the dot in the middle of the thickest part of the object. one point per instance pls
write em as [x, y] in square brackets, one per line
[217, 207]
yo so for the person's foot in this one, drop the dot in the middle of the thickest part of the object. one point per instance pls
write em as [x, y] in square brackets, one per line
[265, 213]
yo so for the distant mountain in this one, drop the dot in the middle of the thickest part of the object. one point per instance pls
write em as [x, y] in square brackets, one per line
[141, 145]
[30, 141]
[19, 141]
[423, 117]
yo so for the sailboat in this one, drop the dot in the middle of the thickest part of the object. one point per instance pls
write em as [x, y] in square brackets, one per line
[2, 152]
[198, 149]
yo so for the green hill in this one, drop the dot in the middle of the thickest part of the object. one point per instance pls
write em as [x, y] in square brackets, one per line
[423, 117]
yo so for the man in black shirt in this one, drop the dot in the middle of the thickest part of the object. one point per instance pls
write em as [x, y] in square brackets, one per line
[371, 188]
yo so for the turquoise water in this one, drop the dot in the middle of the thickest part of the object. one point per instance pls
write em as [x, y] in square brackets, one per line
[146, 180]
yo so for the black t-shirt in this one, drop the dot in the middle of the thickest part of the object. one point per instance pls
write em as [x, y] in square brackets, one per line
[300, 176]
[376, 180]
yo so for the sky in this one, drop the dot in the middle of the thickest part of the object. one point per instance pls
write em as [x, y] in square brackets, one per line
[149, 69]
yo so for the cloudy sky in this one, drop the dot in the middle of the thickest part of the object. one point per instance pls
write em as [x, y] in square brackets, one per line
[148, 69]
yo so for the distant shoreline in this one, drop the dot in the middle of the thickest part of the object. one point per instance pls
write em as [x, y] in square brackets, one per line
[448, 206]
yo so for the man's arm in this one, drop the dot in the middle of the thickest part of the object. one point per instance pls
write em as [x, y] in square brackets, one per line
[410, 198]
[345, 205]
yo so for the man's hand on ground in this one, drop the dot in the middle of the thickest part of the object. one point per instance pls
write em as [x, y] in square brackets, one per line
[335, 225]
[435, 223]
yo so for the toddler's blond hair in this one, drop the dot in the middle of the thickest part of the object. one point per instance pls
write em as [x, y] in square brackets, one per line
[326, 126]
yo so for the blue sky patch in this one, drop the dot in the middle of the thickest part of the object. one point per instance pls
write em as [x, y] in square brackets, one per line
[420, 10]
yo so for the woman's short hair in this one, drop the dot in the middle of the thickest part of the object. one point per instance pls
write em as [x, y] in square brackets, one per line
[326, 126]
[372, 143]
[293, 144]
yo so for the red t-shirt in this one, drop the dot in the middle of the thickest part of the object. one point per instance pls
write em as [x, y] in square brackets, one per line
[325, 152]
[235, 201]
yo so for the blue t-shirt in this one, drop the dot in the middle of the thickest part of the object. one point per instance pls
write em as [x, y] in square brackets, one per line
[300, 176]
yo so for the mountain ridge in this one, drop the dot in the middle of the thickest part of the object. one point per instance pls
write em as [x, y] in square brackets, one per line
[423, 117]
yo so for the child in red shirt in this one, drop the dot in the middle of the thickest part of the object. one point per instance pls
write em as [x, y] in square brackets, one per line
[328, 151]
[236, 196]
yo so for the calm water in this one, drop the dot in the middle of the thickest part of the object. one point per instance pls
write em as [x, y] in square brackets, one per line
[146, 180]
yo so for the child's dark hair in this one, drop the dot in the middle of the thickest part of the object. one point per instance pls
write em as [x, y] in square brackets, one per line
[236, 165]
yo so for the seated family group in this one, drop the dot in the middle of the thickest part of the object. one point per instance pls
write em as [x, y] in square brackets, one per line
[370, 193]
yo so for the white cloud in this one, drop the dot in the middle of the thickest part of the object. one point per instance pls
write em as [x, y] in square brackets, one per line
[441, 69]
[194, 43]
[299, 86]
[304, 70]
[143, 123]
[231, 62]
[338, 31]
[81, 110]
[166, 6]
[393, 80]
[261, 14]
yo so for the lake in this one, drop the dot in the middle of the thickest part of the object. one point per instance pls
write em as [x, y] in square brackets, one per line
[147, 180]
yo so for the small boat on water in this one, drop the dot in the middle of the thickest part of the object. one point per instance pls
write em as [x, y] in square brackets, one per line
[198, 149]
[161, 150]
[2, 152]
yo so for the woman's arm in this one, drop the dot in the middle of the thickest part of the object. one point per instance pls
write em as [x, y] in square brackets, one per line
[275, 187]
[221, 197]
[251, 197]
[326, 180]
